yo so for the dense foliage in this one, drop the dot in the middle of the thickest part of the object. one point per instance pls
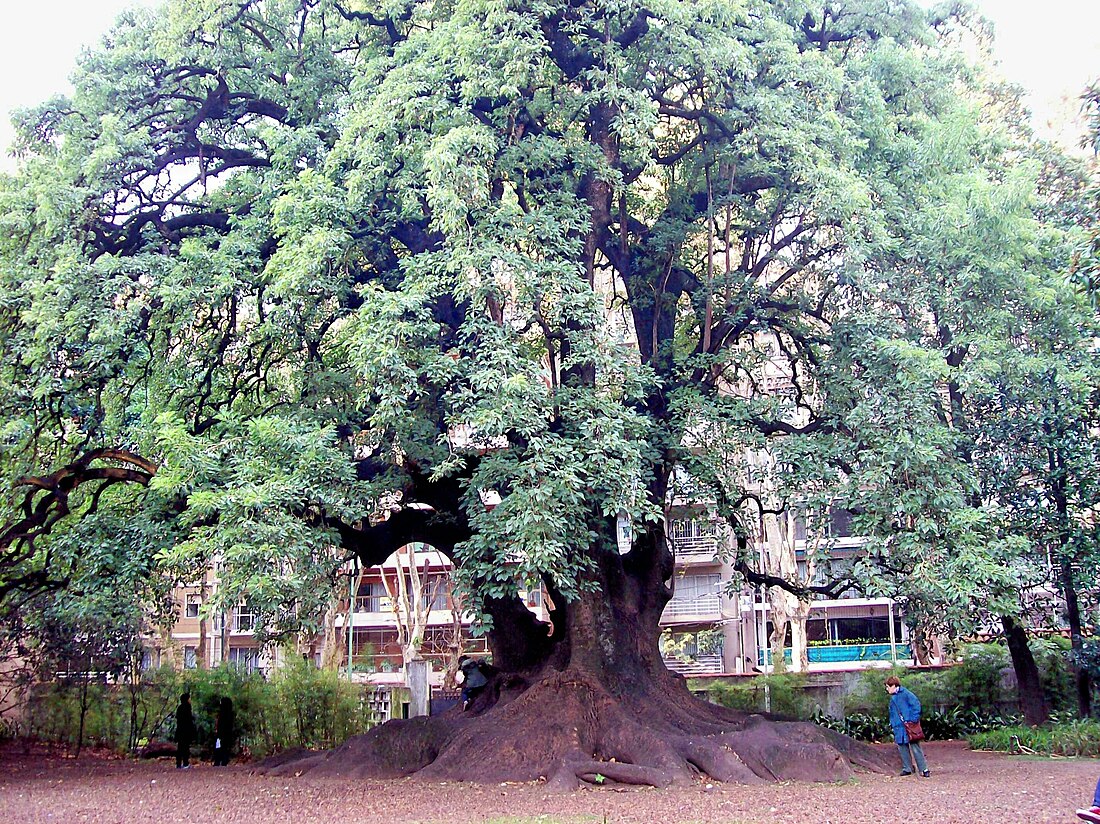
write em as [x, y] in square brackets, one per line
[300, 706]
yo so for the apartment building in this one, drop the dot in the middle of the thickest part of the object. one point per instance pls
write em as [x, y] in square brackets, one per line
[713, 626]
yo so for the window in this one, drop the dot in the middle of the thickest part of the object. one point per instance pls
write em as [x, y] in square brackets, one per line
[694, 587]
[873, 629]
[435, 589]
[246, 659]
[150, 659]
[245, 618]
[191, 609]
[370, 598]
[190, 660]
[840, 522]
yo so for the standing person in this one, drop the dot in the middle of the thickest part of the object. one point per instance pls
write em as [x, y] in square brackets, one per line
[224, 733]
[471, 677]
[185, 732]
[904, 706]
[1092, 813]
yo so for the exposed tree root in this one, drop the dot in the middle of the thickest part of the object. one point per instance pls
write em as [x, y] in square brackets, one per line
[567, 729]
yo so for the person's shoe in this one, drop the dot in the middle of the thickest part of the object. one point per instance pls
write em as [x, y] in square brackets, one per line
[905, 772]
[926, 774]
[1091, 814]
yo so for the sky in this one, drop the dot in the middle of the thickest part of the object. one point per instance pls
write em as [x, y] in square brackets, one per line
[1052, 48]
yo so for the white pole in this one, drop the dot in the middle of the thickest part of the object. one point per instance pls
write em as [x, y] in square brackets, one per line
[893, 640]
[351, 608]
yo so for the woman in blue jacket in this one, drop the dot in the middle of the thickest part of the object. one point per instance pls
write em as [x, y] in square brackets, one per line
[904, 706]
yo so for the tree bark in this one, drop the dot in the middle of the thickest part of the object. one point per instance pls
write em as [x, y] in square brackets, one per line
[1082, 679]
[1033, 701]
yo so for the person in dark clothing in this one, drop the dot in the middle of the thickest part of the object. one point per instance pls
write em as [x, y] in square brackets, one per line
[224, 733]
[471, 677]
[185, 732]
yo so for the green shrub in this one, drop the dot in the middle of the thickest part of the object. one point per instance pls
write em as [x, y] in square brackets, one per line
[976, 681]
[301, 707]
[785, 693]
[859, 725]
[1053, 656]
[323, 709]
[868, 696]
[1078, 738]
[938, 725]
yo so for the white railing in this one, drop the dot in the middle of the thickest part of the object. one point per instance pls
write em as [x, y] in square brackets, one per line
[698, 665]
[695, 548]
[708, 605]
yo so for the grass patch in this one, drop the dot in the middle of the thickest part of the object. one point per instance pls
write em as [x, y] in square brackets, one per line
[1070, 738]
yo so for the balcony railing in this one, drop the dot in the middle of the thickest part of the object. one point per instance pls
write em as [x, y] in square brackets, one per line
[845, 653]
[706, 606]
[696, 548]
[696, 665]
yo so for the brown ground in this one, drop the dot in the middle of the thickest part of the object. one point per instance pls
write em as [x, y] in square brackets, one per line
[965, 787]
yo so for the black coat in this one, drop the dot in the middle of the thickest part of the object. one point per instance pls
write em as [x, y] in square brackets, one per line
[185, 723]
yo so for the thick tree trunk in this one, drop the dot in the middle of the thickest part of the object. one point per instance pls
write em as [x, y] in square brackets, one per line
[589, 699]
[1033, 701]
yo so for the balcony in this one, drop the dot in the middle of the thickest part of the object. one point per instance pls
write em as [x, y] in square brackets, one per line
[696, 549]
[706, 607]
[696, 664]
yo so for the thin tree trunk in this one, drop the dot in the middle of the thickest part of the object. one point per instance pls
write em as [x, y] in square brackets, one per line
[83, 712]
[200, 648]
[800, 648]
[1033, 702]
[777, 603]
[1082, 679]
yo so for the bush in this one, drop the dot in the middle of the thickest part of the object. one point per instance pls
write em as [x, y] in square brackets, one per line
[301, 707]
[868, 696]
[976, 681]
[1078, 738]
[938, 725]
[323, 709]
[859, 725]
[784, 692]
[1053, 656]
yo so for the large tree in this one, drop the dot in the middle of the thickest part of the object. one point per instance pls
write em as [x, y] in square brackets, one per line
[488, 275]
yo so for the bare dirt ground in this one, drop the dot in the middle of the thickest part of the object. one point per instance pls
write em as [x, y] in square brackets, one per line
[965, 787]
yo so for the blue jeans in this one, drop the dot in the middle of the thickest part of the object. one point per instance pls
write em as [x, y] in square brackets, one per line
[907, 760]
[1096, 796]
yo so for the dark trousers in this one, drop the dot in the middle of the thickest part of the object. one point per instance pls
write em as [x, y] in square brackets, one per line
[183, 752]
[221, 755]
